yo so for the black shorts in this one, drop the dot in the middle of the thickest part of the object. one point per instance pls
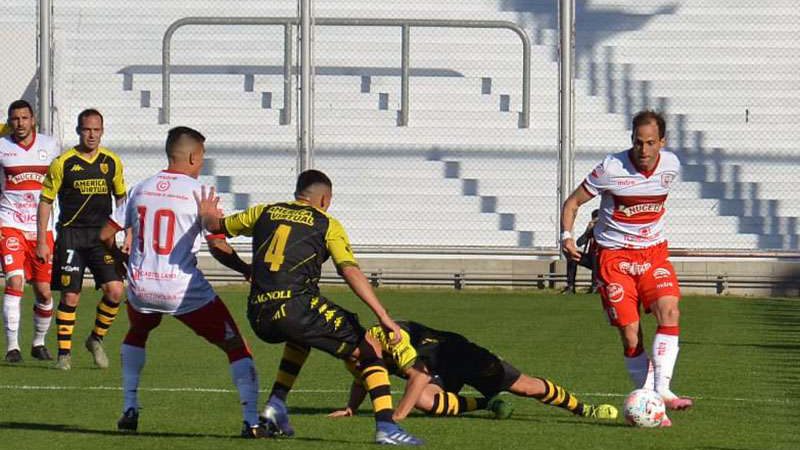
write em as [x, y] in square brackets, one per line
[456, 361]
[312, 321]
[75, 250]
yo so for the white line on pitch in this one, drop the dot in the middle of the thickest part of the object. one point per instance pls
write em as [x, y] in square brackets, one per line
[332, 391]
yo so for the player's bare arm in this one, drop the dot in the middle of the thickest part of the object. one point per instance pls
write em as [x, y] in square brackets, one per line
[357, 395]
[359, 284]
[227, 256]
[568, 214]
[43, 212]
[418, 378]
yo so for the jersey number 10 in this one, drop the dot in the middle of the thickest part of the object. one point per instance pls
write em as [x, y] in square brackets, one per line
[162, 247]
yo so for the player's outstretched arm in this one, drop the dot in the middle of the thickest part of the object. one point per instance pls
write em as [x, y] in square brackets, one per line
[227, 256]
[359, 284]
[357, 395]
[418, 378]
[569, 212]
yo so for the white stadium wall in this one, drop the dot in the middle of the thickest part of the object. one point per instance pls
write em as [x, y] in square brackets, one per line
[462, 174]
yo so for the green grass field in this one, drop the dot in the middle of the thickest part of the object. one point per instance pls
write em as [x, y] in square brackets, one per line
[740, 358]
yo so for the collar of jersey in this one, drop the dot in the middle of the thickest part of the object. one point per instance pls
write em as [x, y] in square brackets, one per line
[89, 161]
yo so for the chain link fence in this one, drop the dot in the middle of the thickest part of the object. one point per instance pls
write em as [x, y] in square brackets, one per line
[463, 171]
[18, 31]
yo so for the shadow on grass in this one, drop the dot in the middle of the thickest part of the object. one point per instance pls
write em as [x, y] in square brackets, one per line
[62, 428]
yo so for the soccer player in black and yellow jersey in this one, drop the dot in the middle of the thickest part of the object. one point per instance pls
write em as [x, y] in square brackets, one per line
[85, 179]
[291, 241]
[437, 365]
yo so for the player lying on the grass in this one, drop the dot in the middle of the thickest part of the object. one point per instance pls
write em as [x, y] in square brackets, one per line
[291, 241]
[437, 365]
[163, 277]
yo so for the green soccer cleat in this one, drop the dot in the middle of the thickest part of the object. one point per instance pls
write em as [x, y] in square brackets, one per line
[502, 409]
[602, 412]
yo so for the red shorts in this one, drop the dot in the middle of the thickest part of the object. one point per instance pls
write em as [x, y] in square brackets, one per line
[18, 253]
[628, 277]
[213, 322]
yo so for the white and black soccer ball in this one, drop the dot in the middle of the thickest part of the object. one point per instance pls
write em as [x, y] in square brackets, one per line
[644, 408]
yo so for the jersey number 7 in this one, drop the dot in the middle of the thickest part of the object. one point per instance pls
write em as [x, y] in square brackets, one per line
[277, 246]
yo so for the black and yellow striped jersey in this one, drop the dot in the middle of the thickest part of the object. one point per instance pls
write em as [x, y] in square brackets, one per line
[84, 187]
[291, 241]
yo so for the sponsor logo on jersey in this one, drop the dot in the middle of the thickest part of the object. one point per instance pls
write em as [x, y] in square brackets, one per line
[162, 185]
[661, 273]
[642, 208]
[76, 168]
[303, 216]
[12, 244]
[26, 176]
[634, 268]
[91, 186]
[615, 292]
[104, 168]
[664, 285]
[274, 295]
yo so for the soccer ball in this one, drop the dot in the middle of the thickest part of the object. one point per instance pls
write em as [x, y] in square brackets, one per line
[644, 408]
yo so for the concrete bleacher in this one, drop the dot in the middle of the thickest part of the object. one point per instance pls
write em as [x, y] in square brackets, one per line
[462, 173]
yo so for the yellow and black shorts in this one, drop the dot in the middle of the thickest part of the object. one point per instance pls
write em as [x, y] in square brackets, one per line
[308, 320]
[75, 250]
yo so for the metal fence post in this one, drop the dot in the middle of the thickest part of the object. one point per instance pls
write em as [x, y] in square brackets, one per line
[405, 71]
[286, 114]
[45, 66]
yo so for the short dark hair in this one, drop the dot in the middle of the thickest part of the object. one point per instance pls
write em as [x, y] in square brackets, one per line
[309, 178]
[19, 104]
[87, 113]
[175, 134]
[646, 117]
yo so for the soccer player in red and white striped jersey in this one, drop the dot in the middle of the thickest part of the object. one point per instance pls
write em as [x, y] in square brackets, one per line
[24, 158]
[633, 265]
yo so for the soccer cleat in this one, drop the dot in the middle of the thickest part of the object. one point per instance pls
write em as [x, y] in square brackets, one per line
[41, 353]
[392, 434]
[502, 410]
[14, 356]
[64, 362]
[603, 412]
[95, 347]
[276, 418]
[129, 421]
[257, 431]
[665, 422]
[678, 403]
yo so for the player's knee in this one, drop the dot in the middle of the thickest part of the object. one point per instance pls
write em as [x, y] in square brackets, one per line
[70, 298]
[114, 291]
[235, 348]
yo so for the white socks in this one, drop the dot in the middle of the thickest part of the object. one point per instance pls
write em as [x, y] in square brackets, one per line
[11, 313]
[640, 370]
[244, 377]
[665, 354]
[42, 315]
[132, 363]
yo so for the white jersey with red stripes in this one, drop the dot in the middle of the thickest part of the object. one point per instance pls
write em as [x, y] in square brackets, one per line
[163, 276]
[23, 169]
[632, 203]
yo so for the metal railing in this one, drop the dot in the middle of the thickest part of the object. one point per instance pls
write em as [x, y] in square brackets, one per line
[405, 24]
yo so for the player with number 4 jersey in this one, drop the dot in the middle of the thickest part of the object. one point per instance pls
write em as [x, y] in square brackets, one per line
[163, 278]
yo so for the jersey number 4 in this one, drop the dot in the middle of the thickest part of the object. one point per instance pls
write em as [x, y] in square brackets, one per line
[277, 246]
[165, 216]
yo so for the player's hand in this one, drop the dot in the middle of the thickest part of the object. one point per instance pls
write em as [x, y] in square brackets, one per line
[43, 252]
[570, 250]
[208, 207]
[126, 242]
[347, 412]
[392, 330]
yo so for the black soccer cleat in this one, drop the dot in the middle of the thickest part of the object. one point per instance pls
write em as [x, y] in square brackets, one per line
[129, 421]
[258, 431]
[14, 356]
[41, 353]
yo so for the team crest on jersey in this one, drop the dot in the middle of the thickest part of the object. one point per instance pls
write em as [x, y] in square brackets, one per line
[12, 244]
[104, 168]
[42, 155]
[667, 179]
[615, 292]
[65, 279]
[661, 273]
